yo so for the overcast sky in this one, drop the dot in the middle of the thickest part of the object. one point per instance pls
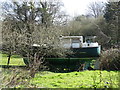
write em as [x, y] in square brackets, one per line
[78, 7]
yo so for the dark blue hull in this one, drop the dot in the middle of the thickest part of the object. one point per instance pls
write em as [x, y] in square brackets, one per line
[86, 52]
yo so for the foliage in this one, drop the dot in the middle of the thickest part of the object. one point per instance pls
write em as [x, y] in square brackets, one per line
[110, 59]
[80, 25]
[87, 26]
[112, 18]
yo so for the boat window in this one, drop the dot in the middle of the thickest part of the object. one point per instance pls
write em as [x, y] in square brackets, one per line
[89, 40]
[75, 43]
[66, 43]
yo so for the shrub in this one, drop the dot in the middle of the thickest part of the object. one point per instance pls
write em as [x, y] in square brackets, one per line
[110, 59]
[14, 77]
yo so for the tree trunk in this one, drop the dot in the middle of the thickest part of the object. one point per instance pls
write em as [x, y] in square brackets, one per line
[9, 56]
[33, 71]
[36, 63]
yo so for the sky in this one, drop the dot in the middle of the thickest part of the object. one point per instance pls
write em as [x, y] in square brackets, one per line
[78, 7]
[75, 7]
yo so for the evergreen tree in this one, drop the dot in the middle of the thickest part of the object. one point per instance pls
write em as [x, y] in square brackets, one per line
[112, 15]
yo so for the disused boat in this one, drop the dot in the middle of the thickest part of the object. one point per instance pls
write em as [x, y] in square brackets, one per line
[84, 50]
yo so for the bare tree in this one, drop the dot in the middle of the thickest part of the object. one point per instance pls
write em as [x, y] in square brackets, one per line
[96, 9]
[43, 13]
[44, 42]
[9, 40]
[36, 32]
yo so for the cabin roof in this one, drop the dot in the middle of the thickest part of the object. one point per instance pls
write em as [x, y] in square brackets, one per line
[71, 36]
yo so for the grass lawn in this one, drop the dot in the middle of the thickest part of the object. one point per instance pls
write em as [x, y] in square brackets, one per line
[85, 79]
[15, 60]
[47, 79]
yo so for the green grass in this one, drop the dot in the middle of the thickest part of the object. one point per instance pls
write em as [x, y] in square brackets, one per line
[85, 79]
[15, 60]
[47, 79]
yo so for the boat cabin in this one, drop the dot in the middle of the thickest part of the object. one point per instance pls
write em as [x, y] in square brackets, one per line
[78, 41]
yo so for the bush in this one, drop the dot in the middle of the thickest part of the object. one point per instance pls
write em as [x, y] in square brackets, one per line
[110, 59]
[14, 77]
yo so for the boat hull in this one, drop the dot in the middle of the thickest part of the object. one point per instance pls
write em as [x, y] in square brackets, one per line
[73, 62]
[86, 52]
[78, 55]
